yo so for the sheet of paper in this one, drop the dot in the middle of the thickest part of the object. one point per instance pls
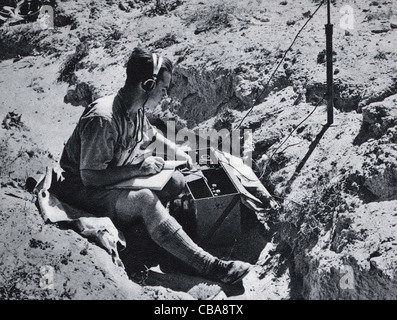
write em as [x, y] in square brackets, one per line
[153, 182]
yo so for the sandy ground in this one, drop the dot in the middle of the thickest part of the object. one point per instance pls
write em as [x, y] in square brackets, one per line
[337, 184]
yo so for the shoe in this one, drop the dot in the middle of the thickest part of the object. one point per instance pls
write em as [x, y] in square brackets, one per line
[229, 272]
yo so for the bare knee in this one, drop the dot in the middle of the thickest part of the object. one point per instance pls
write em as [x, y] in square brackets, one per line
[152, 210]
[135, 204]
[178, 182]
[173, 188]
[144, 195]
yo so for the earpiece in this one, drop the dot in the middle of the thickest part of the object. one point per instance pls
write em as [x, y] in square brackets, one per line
[150, 83]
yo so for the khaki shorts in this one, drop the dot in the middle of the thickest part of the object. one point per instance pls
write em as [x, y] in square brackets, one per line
[102, 202]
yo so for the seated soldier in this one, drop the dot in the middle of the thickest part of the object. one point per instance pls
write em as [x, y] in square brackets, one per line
[105, 149]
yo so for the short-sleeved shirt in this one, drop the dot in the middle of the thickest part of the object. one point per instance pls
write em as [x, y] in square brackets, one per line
[106, 136]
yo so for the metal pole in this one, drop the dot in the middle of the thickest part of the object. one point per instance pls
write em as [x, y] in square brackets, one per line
[330, 73]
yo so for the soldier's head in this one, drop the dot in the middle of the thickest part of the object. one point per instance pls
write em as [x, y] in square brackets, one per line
[149, 74]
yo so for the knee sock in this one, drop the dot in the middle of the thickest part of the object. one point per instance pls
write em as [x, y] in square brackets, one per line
[170, 236]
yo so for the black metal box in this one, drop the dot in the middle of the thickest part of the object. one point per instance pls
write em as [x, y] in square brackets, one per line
[217, 203]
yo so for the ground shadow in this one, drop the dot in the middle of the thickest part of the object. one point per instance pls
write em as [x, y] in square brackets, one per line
[302, 163]
[363, 135]
[185, 283]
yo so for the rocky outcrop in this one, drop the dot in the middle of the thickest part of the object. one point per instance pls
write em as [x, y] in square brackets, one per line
[380, 119]
[380, 171]
[80, 94]
[200, 94]
[379, 131]
[365, 269]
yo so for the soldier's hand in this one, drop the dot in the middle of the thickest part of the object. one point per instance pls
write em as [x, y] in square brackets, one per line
[181, 155]
[152, 165]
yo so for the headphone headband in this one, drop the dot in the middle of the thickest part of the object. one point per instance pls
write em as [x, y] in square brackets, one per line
[157, 62]
[150, 83]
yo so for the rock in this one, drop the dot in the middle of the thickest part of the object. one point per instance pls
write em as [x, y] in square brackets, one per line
[116, 35]
[380, 89]
[62, 20]
[380, 171]
[393, 25]
[124, 7]
[289, 72]
[132, 4]
[224, 120]
[263, 19]
[67, 72]
[79, 95]
[165, 42]
[13, 121]
[380, 167]
[378, 117]
[321, 57]
[382, 28]
[210, 89]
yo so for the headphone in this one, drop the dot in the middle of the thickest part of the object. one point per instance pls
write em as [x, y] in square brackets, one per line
[150, 83]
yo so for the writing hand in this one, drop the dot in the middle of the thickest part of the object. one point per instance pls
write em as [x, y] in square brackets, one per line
[151, 165]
